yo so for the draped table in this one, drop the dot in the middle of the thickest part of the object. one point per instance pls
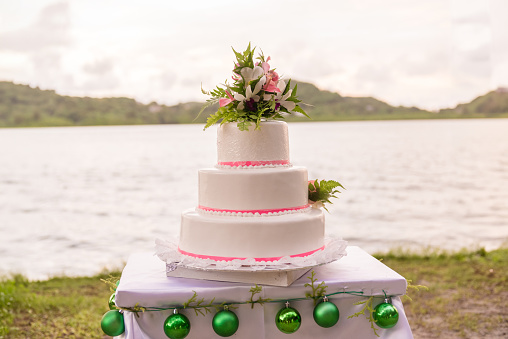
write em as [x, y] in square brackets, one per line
[358, 275]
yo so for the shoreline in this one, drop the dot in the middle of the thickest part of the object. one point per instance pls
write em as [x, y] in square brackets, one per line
[466, 298]
[289, 120]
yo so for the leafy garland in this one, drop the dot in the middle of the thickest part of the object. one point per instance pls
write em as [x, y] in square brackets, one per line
[257, 93]
[367, 307]
[255, 290]
[320, 192]
[318, 292]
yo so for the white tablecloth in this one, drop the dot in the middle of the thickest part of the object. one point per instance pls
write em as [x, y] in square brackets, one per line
[144, 282]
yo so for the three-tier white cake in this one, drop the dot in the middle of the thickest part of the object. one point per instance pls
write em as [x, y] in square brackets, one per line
[253, 203]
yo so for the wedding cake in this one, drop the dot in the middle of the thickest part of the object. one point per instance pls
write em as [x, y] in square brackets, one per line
[254, 203]
[255, 210]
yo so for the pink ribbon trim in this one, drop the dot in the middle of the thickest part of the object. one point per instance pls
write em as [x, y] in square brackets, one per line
[253, 163]
[256, 259]
[277, 210]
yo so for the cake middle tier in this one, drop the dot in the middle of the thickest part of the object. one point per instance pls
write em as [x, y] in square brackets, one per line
[253, 190]
[269, 237]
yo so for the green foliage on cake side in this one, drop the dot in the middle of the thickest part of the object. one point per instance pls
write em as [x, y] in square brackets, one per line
[320, 192]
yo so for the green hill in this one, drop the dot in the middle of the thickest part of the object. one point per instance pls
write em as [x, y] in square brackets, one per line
[24, 106]
[491, 105]
[329, 106]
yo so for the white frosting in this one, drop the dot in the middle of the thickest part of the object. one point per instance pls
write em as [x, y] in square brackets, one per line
[271, 236]
[253, 189]
[251, 166]
[268, 143]
[254, 213]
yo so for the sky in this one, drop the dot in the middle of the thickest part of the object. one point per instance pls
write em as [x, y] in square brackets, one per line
[431, 54]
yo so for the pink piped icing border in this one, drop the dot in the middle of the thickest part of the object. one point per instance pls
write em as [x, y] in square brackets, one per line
[215, 258]
[267, 211]
[254, 163]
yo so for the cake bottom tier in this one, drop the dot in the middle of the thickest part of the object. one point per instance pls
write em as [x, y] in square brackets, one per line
[263, 238]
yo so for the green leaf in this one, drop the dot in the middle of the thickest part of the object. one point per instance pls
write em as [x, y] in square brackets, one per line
[288, 86]
[293, 94]
[322, 191]
[243, 125]
[300, 110]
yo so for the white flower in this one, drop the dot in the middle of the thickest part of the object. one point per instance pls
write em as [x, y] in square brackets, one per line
[250, 74]
[281, 99]
[289, 105]
[250, 94]
[317, 204]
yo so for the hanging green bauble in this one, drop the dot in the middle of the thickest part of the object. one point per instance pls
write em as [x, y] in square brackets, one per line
[225, 323]
[288, 320]
[326, 314]
[112, 323]
[112, 304]
[177, 326]
[385, 314]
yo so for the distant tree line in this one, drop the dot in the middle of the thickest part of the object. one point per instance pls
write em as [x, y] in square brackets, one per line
[24, 106]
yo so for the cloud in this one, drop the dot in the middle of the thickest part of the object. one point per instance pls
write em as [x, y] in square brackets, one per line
[99, 75]
[99, 67]
[47, 62]
[50, 30]
[422, 65]
[96, 84]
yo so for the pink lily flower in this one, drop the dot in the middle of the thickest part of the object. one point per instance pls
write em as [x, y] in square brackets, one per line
[236, 76]
[226, 101]
[271, 87]
[272, 79]
[266, 67]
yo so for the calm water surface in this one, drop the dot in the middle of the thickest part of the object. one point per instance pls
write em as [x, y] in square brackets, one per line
[75, 200]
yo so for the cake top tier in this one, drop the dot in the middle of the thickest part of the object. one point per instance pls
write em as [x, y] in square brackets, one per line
[265, 146]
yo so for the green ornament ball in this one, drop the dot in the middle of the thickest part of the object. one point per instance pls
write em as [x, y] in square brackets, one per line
[225, 323]
[288, 320]
[177, 326]
[386, 315]
[112, 304]
[326, 314]
[112, 323]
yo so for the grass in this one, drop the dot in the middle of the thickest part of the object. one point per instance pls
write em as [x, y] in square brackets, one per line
[61, 307]
[466, 298]
[467, 292]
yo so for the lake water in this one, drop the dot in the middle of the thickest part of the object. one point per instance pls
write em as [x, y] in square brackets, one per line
[75, 200]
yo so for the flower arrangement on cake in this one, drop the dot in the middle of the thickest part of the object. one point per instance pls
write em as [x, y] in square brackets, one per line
[257, 93]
